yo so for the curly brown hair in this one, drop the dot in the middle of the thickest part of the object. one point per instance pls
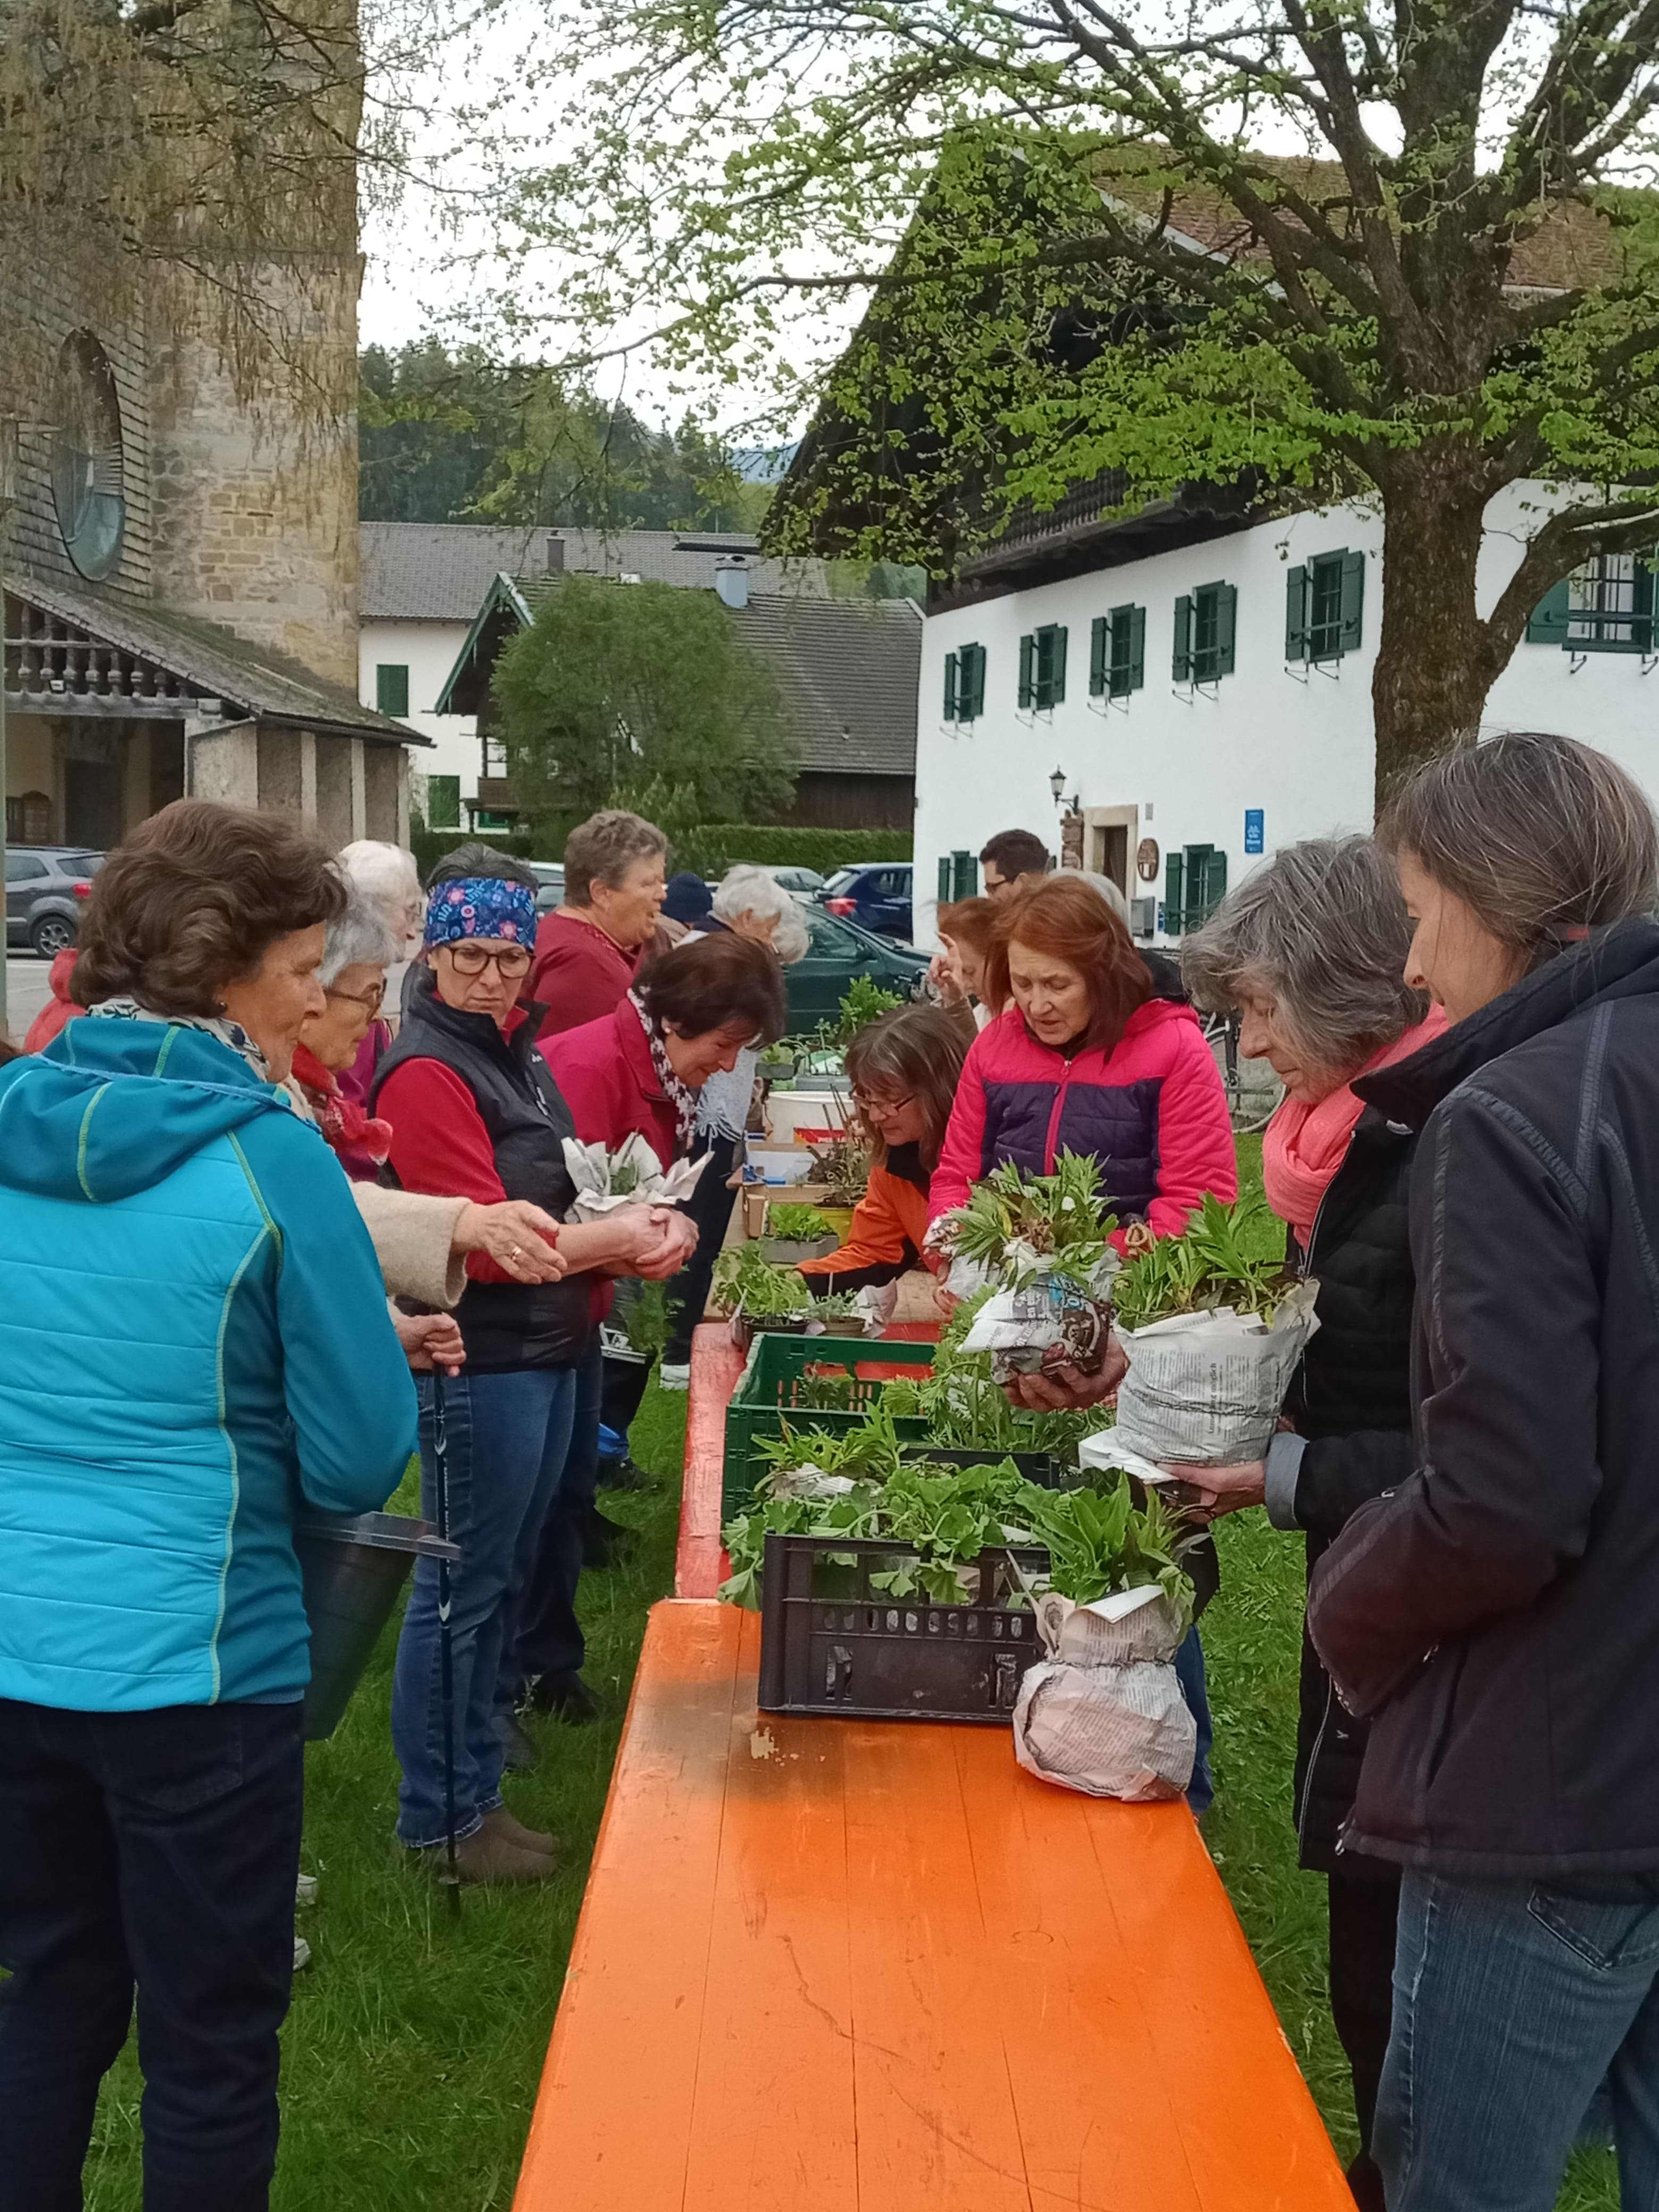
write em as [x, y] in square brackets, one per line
[193, 899]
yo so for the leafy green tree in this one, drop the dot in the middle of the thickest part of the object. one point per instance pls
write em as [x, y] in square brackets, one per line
[1079, 265]
[618, 693]
[454, 437]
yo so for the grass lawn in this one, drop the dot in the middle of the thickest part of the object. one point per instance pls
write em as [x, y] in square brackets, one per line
[415, 2040]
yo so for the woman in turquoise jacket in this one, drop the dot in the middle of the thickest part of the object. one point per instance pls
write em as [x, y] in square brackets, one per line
[194, 1345]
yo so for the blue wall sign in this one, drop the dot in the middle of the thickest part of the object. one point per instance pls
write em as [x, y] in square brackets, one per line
[1254, 841]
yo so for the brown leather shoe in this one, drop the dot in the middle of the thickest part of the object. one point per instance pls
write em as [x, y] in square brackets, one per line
[486, 1858]
[512, 1831]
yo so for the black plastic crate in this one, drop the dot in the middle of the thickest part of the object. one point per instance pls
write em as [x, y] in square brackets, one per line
[831, 1644]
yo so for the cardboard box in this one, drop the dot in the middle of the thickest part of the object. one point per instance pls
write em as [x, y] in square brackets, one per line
[756, 1197]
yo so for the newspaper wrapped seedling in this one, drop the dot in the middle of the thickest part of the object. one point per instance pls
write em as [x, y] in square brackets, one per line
[1042, 1243]
[1212, 1333]
[1103, 1713]
[631, 1175]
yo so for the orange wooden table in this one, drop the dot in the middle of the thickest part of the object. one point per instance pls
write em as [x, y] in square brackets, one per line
[835, 1966]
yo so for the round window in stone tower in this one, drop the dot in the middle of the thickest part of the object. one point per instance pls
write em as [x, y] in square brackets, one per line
[86, 457]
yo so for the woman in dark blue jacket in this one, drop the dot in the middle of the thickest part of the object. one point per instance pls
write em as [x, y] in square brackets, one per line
[193, 1341]
[1493, 1613]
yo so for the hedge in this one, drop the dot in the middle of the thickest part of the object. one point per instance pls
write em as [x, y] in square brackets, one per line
[709, 850]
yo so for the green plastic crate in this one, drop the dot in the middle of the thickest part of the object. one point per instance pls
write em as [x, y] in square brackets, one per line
[774, 1383]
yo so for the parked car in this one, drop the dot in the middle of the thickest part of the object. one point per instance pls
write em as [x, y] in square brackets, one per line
[841, 950]
[47, 886]
[805, 883]
[550, 874]
[877, 894]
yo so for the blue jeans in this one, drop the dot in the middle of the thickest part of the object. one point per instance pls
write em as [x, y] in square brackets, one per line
[544, 1637]
[154, 1851]
[1189, 1673]
[1511, 2002]
[507, 1435]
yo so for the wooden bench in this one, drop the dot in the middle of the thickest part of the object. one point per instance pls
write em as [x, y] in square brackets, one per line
[834, 1967]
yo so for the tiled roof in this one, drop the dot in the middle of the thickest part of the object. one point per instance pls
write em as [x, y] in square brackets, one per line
[850, 669]
[1573, 244]
[440, 571]
[215, 663]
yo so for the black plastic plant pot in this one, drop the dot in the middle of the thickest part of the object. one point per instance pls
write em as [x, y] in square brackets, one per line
[352, 1567]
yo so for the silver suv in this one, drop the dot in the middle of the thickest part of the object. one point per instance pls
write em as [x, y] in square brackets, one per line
[46, 887]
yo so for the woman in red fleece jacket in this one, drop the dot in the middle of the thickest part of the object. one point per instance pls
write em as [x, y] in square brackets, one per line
[1087, 1058]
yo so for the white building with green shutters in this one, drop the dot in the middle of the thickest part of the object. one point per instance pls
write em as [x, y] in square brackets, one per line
[1176, 697]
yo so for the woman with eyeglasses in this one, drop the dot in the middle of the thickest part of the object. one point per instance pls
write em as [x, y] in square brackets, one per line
[473, 1109]
[904, 1070]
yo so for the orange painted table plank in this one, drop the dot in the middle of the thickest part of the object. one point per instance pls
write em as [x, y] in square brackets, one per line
[716, 1366]
[880, 1969]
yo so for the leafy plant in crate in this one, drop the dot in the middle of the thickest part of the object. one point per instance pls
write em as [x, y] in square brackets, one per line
[794, 1233]
[763, 1296]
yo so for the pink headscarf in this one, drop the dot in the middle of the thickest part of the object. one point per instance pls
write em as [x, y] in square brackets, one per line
[1307, 1141]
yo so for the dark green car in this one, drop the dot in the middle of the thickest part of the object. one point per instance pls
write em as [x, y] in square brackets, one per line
[840, 952]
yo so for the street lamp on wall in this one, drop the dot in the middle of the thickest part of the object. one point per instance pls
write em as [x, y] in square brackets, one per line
[1057, 786]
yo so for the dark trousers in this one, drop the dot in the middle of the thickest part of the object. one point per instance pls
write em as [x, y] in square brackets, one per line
[160, 1851]
[710, 1207]
[546, 1636]
[1364, 1910]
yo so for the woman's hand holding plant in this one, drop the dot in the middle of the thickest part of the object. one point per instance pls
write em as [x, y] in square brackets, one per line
[517, 1237]
[1221, 1489]
[1064, 1388]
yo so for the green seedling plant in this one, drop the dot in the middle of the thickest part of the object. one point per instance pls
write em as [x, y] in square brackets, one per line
[1209, 1264]
[865, 1002]
[645, 1321]
[1018, 1225]
[1101, 1542]
[765, 1293]
[964, 1407]
[798, 1225]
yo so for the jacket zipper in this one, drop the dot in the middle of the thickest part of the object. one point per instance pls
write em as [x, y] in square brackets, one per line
[1053, 1118]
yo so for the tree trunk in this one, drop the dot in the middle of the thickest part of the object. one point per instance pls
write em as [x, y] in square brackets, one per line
[1433, 663]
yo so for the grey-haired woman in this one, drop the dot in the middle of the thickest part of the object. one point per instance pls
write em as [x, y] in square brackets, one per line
[1309, 951]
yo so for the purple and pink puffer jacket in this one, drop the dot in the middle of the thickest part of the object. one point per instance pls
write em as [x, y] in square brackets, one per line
[1152, 1112]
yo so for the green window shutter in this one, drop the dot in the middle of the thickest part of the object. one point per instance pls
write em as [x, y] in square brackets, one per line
[1057, 668]
[1642, 600]
[1173, 873]
[1180, 667]
[1296, 614]
[1226, 627]
[1137, 655]
[1211, 886]
[443, 802]
[391, 690]
[1027, 668]
[1353, 600]
[964, 875]
[971, 690]
[945, 894]
[952, 695]
[1100, 654]
[1548, 625]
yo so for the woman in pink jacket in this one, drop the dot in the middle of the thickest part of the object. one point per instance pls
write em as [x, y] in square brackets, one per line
[1088, 1056]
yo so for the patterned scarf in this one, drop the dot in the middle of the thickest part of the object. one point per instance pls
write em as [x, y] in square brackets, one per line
[345, 1126]
[680, 1095]
[218, 1026]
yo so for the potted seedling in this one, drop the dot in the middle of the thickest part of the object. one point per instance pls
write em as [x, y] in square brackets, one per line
[1043, 1243]
[1213, 1327]
[794, 1233]
[758, 1297]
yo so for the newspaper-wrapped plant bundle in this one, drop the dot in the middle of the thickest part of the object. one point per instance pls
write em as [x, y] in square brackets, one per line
[1213, 1332]
[1042, 1243]
[631, 1175]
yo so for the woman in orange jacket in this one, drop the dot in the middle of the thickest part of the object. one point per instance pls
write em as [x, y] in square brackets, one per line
[904, 1070]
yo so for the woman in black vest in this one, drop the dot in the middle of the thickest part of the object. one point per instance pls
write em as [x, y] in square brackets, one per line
[475, 1112]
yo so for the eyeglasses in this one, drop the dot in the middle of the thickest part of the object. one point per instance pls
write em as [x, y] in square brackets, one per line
[510, 961]
[881, 1106]
[374, 1001]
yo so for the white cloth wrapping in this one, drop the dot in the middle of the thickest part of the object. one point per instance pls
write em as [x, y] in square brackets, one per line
[594, 1171]
[1103, 1713]
[1210, 1386]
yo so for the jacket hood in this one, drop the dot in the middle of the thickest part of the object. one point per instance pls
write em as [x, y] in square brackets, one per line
[1619, 962]
[112, 1108]
[63, 968]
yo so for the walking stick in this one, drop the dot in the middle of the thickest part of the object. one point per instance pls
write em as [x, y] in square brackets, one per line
[445, 1635]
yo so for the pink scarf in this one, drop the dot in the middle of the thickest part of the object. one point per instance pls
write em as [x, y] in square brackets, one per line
[1307, 1141]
